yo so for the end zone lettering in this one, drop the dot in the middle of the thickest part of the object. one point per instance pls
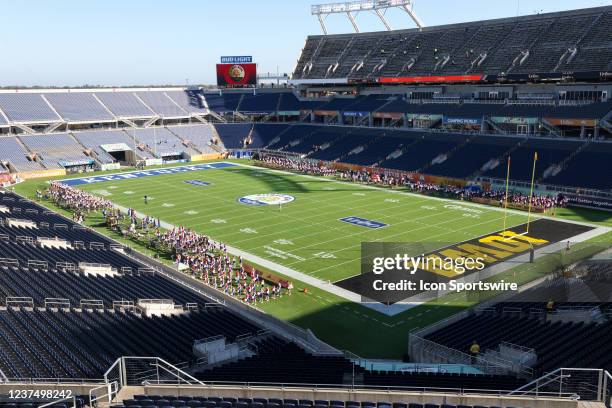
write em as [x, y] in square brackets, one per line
[362, 222]
[145, 173]
[491, 249]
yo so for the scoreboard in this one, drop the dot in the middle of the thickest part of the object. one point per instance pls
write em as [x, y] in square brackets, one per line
[239, 71]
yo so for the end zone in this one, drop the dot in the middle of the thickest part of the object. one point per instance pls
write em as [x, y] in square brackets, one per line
[145, 173]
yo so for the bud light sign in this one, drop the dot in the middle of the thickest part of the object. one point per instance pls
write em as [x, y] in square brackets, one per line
[245, 59]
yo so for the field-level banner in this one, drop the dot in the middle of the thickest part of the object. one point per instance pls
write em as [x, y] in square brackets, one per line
[600, 203]
[42, 173]
[514, 120]
[430, 79]
[571, 122]
[387, 115]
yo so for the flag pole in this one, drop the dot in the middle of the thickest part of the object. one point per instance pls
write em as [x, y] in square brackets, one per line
[506, 197]
[535, 159]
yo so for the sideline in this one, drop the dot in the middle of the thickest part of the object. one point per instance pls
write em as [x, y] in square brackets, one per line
[328, 286]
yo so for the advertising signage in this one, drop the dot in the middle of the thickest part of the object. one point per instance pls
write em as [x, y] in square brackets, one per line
[244, 59]
[462, 121]
[355, 114]
[430, 79]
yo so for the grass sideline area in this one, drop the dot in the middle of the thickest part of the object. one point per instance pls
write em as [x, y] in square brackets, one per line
[343, 324]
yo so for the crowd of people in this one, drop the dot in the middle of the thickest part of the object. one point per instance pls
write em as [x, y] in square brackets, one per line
[300, 166]
[81, 168]
[211, 263]
[74, 199]
[398, 179]
[545, 202]
[198, 254]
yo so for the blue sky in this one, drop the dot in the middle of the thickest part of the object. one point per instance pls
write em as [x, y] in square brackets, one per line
[138, 42]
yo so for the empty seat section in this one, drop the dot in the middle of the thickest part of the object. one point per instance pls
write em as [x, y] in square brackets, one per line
[234, 135]
[56, 150]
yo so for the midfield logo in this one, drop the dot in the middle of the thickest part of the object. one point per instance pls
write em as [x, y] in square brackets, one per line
[266, 199]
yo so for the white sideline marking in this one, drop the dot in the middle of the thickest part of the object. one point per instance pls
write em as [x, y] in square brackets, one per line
[351, 296]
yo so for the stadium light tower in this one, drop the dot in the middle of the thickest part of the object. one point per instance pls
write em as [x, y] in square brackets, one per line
[351, 8]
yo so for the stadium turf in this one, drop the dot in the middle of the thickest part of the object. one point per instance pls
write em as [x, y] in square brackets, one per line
[308, 227]
[306, 234]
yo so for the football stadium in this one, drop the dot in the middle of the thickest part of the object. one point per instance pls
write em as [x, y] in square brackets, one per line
[416, 217]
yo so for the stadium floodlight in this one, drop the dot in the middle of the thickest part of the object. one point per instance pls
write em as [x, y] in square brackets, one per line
[351, 8]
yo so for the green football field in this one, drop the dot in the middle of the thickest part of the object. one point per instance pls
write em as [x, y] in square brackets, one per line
[306, 234]
[309, 228]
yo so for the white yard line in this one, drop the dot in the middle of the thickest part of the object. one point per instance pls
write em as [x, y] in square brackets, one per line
[351, 296]
[415, 242]
[447, 200]
[328, 287]
[342, 234]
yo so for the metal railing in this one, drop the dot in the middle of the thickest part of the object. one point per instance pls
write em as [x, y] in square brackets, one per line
[422, 350]
[36, 264]
[588, 384]
[564, 383]
[108, 392]
[60, 303]
[607, 387]
[97, 245]
[56, 381]
[54, 403]
[351, 388]
[209, 339]
[9, 262]
[93, 265]
[91, 304]
[143, 370]
[66, 266]
[16, 301]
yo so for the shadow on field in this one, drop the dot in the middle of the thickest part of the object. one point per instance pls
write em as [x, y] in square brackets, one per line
[586, 214]
[367, 333]
[276, 183]
[287, 184]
